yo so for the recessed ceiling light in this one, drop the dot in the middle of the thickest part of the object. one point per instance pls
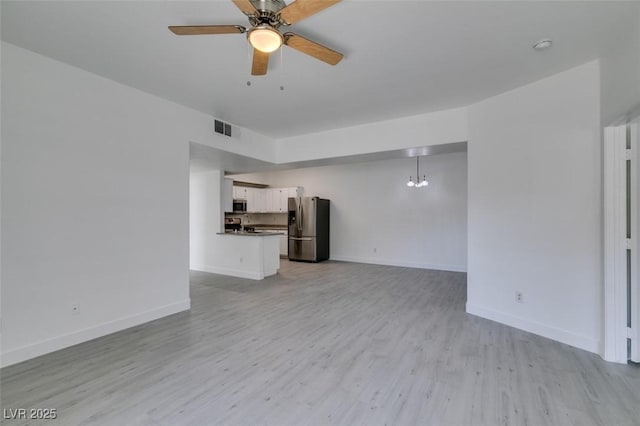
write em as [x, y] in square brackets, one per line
[543, 44]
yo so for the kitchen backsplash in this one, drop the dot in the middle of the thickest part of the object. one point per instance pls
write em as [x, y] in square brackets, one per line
[261, 218]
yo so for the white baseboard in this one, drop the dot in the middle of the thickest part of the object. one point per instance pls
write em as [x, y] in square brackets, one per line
[33, 350]
[228, 271]
[387, 262]
[553, 333]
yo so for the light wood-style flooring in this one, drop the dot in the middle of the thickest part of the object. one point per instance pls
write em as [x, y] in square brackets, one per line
[325, 344]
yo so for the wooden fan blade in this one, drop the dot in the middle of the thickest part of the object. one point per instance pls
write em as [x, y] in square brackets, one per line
[245, 6]
[301, 9]
[207, 29]
[312, 48]
[260, 62]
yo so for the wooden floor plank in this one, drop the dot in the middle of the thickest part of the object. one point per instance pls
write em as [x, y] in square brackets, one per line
[333, 343]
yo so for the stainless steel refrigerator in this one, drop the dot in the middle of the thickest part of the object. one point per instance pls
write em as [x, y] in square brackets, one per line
[308, 229]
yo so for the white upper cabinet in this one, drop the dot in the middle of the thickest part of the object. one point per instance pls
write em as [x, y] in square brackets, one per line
[294, 192]
[280, 202]
[285, 194]
[251, 202]
[260, 200]
[255, 200]
[280, 198]
[275, 197]
[239, 193]
[269, 200]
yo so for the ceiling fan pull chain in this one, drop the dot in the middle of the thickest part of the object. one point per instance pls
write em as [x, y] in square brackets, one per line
[281, 69]
[249, 50]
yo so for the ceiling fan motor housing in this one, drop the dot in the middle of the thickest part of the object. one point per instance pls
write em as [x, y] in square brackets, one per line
[271, 6]
[267, 12]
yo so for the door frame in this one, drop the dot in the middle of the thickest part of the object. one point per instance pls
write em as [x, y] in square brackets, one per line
[621, 244]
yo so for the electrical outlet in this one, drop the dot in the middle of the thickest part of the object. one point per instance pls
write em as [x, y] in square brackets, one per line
[375, 249]
[519, 297]
[75, 309]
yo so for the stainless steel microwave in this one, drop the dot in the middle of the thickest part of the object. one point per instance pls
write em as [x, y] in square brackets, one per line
[239, 206]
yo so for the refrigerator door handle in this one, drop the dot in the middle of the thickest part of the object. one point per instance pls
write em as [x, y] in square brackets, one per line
[301, 239]
[299, 212]
[301, 216]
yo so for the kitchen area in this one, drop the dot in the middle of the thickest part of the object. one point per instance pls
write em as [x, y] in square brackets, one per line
[422, 227]
[256, 209]
[263, 225]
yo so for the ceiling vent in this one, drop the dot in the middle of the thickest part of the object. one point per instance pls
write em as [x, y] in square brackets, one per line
[222, 128]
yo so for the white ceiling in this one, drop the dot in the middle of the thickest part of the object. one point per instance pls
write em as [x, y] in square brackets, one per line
[401, 58]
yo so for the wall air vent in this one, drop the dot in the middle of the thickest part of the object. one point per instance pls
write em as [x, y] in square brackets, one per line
[222, 128]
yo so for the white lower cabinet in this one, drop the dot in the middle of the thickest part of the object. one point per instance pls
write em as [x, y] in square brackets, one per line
[284, 241]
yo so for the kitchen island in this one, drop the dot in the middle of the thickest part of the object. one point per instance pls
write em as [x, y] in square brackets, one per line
[253, 255]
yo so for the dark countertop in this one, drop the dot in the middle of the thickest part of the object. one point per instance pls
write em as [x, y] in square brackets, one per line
[251, 234]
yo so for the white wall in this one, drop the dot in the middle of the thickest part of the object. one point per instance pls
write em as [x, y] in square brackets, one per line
[535, 208]
[371, 207]
[204, 214]
[620, 73]
[1, 137]
[94, 203]
[420, 130]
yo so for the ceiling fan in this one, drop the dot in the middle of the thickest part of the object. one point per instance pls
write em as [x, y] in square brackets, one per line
[266, 17]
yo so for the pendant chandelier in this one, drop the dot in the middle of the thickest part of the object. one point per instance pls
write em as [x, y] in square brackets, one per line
[418, 183]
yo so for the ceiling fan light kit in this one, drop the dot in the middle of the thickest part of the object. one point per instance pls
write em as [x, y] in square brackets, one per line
[265, 38]
[266, 17]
